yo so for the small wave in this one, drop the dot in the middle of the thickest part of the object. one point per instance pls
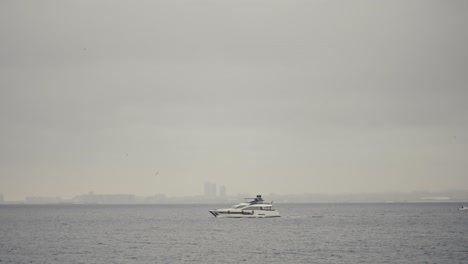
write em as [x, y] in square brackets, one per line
[302, 216]
[293, 217]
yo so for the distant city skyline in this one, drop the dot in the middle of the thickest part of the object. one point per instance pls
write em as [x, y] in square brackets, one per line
[211, 190]
[126, 198]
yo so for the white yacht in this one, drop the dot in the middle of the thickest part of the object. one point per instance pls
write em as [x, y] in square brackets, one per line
[257, 208]
[463, 208]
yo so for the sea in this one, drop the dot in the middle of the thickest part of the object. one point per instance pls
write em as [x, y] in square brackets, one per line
[306, 233]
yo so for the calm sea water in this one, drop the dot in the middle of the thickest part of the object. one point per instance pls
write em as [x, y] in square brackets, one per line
[307, 233]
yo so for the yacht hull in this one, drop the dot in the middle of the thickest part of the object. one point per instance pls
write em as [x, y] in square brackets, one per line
[225, 213]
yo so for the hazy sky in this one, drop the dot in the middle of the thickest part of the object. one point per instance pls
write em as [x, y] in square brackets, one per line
[261, 96]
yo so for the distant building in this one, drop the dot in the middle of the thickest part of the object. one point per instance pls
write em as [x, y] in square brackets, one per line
[157, 198]
[210, 189]
[42, 200]
[222, 191]
[92, 198]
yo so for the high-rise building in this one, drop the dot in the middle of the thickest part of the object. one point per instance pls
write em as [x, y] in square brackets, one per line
[206, 190]
[222, 191]
[210, 189]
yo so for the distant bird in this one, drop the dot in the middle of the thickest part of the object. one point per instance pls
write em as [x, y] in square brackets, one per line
[157, 173]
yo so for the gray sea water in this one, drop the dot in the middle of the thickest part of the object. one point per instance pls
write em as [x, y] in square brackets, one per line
[306, 233]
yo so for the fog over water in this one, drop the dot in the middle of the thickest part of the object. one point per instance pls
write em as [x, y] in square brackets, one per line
[285, 97]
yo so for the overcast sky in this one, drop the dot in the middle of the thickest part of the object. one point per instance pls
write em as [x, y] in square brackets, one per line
[260, 96]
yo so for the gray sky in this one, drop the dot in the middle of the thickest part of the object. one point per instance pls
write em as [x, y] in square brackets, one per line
[261, 96]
